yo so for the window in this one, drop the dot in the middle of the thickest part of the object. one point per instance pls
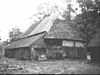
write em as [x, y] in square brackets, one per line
[68, 43]
[79, 44]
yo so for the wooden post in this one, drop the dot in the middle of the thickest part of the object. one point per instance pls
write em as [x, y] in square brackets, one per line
[85, 48]
[73, 52]
[70, 53]
[32, 53]
[75, 49]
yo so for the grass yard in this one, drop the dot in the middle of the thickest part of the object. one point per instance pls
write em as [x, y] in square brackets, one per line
[66, 66]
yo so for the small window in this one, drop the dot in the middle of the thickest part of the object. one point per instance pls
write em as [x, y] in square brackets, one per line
[79, 44]
[68, 43]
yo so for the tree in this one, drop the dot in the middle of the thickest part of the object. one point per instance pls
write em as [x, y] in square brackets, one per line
[15, 34]
[45, 10]
[89, 20]
[68, 12]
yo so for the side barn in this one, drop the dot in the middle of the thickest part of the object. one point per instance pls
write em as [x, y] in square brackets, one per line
[22, 48]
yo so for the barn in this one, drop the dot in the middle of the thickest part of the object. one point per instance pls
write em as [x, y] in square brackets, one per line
[52, 37]
[94, 47]
[65, 40]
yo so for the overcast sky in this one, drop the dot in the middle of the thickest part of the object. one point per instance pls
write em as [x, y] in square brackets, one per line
[17, 13]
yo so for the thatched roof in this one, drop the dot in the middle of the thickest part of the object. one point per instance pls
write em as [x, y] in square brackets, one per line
[95, 42]
[35, 34]
[45, 25]
[27, 41]
[62, 30]
[41, 26]
[30, 29]
[30, 36]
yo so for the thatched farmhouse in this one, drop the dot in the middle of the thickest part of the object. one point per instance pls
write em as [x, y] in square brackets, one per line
[51, 37]
[94, 47]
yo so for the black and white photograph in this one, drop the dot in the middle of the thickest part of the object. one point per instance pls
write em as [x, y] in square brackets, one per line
[49, 36]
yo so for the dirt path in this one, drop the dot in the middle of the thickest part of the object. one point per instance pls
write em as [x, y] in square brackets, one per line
[67, 66]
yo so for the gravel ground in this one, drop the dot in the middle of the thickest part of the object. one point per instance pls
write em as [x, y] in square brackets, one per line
[66, 66]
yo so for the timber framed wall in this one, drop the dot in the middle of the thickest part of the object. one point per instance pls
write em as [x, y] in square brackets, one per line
[71, 48]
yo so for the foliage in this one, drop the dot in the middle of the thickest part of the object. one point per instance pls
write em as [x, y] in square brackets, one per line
[45, 10]
[15, 34]
[89, 19]
[68, 12]
[87, 5]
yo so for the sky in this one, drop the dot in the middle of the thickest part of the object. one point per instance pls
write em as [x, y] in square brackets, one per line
[18, 13]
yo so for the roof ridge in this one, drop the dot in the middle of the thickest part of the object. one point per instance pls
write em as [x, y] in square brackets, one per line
[29, 36]
[31, 28]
